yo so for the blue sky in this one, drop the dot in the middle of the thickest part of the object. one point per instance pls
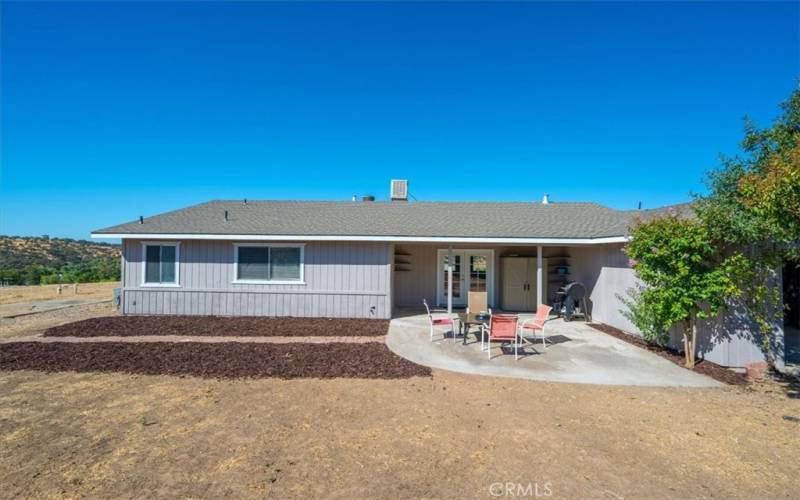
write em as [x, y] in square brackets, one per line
[112, 110]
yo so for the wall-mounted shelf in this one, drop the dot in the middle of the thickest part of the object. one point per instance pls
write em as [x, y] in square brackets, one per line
[402, 261]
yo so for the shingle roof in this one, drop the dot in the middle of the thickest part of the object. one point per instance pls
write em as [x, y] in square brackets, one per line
[425, 219]
[682, 210]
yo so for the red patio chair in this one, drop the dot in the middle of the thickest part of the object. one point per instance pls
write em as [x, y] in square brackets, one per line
[502, 327]
[537, 323]
[439, 321]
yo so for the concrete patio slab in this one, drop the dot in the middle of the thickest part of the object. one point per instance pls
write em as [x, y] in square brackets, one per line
[580, 355]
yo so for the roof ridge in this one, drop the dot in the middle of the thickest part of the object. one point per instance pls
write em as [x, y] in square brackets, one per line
[411, 203]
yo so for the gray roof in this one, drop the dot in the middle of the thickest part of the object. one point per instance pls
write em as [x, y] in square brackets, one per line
[397, 219]
[682, 210]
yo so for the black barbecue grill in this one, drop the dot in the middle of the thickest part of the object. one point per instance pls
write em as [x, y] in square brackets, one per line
[569, 299]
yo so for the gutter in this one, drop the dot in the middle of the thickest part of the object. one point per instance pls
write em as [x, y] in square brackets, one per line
[393, 239]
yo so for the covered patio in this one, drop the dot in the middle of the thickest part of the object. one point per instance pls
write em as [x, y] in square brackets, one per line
[578, 354]
[515, 278]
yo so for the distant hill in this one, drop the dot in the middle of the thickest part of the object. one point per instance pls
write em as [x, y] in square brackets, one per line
[33, 260]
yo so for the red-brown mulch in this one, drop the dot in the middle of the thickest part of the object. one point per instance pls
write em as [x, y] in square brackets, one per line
[213, 360]
[129, 326]
[713, 370]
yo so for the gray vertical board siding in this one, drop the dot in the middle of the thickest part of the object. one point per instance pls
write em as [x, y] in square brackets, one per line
[419, 282]
[607, 275]
[730, 339]
[727, 340]
[342, 279]
[734, 338]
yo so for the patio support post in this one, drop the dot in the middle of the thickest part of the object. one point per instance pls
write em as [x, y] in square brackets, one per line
[450, 280]
[539, 277]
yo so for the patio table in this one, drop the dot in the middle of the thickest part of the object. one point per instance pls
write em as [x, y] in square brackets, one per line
[467, 320]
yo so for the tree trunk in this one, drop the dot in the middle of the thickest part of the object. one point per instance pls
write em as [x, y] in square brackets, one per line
[690, 341]
[686, 344]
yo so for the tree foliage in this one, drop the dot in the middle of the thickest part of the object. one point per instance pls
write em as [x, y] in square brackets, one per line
[746, 226]
[643, 312]
[753, 206]
[99, 269]
[685, 279]
[773, 195]
[754, 198]
[33, 261]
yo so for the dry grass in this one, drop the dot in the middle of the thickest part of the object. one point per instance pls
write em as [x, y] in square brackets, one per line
[449, 436]
[36, 323]
[98, 291]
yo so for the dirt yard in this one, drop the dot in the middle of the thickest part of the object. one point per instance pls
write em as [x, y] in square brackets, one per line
[447, 435]
[99, 291]
[37, 323]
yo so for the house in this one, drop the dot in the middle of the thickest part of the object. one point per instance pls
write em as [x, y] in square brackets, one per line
[368, 259]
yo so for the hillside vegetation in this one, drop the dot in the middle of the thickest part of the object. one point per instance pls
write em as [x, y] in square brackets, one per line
[28, 260]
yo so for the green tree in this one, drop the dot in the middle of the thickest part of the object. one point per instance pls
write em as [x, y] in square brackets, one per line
[685, 280]
[772, 194]
[753, 207]
[754, 198]
[643, 313]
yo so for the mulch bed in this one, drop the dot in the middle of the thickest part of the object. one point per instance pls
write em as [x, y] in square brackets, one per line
[129, 326]
[213, 360]
[713, 370]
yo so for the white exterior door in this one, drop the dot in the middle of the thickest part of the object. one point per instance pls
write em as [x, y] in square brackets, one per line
[473, 270]
[515, 281]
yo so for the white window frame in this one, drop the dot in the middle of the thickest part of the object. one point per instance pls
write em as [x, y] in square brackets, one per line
[301, 281]
[464, 252]
[177, 245]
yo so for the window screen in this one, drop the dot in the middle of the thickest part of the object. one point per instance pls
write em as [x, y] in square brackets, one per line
[160, 264]
[284, 263]
[253, 263]
[268, 263]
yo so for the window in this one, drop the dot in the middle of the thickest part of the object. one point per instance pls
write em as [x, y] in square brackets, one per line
[477, 273]
[161, 264]
[456, 276]
[268, 264]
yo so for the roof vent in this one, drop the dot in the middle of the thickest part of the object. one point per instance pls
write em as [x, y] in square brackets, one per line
[399, 191]
[545, 199]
